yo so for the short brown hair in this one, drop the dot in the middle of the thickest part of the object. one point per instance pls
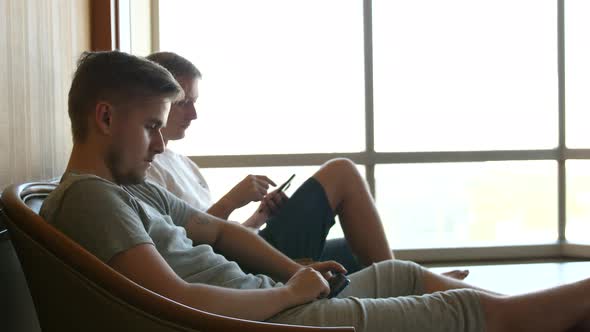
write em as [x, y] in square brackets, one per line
[115, 77]
[177, 65]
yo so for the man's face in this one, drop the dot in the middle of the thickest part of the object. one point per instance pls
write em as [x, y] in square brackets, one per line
[136, 139]
[182, 113]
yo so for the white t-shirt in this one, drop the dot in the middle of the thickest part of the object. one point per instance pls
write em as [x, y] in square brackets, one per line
[181, 176]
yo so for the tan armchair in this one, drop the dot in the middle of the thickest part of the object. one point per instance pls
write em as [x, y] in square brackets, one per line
[75, 291]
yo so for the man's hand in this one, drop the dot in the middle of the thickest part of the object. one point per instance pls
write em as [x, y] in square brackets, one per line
[307, 285]
[272, 203]
[270, 206]
[252, 188]
[326, 268]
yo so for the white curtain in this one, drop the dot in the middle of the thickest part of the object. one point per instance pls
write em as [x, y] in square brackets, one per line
[40, 42]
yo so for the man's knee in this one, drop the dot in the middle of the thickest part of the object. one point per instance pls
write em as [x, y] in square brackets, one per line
[335, 177]
[340, 166]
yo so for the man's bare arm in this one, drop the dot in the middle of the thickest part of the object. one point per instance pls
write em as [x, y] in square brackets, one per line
[145, 266]
[252, 188]
[220, 209]
[236, 242]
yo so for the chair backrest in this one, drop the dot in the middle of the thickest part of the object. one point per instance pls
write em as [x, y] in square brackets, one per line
[74, 290]
[17, 311]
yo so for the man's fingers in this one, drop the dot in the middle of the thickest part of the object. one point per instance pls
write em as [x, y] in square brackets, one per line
[272, 206]
[265, 179]
[330, 266]
[337, 267]
[258, 195]
[262, 186]
[277, 198]
[325, 292]
[283, 196]
[325, 288]
[263, 208]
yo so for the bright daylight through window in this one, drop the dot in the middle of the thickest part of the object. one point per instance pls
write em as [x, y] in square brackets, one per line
[276, 77]
[288, 77]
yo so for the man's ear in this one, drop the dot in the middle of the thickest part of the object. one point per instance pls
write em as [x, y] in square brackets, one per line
[103, 117]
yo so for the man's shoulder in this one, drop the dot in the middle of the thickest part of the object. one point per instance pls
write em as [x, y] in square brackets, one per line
[148, 187]
[79, 188]
[150, 192]
[86, 184]
[82, 187]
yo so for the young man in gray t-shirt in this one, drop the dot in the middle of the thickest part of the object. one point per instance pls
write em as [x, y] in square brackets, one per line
[118, 104]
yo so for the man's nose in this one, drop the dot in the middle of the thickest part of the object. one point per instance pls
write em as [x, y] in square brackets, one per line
[193, 112]
[158, 144]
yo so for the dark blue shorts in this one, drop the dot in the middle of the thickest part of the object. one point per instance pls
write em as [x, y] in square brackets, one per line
[302, 225]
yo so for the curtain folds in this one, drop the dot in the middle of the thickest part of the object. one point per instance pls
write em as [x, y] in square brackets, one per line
[40, 42]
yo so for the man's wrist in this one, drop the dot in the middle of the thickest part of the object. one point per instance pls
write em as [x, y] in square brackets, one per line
[224, 206]
[293, 268]
[256, 220]
[289, 295]
[251, 225]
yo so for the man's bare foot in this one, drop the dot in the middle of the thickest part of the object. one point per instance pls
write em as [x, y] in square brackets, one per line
[457, 274]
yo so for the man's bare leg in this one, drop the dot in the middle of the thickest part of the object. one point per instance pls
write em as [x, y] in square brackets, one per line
[562, 308]
[557, 309]
[456, 274]
[350, 199]
[435, 282]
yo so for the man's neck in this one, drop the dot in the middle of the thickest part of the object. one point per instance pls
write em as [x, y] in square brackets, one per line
[84, 159]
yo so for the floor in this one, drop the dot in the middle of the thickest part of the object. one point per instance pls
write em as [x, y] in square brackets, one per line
[521, 278]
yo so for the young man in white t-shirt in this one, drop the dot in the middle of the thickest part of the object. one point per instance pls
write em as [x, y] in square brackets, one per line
[298, 225]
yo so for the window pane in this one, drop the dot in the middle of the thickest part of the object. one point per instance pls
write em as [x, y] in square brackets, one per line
[578, 201]
[465, 75]
[577, 72]
[278, 76]
[468, 204]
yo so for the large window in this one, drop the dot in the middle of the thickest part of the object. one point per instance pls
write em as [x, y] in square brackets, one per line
[468, 204]
[577, 72]
[577, 101]
[455, 110]
[277, 77]
[578, 202]
[465, 75]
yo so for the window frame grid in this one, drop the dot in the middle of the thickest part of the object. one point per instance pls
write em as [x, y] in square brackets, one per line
[561, 248]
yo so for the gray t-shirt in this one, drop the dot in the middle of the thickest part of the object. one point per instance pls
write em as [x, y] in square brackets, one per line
[107, 219]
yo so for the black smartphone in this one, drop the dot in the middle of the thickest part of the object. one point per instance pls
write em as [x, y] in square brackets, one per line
[283, 187]
[286, 185]
[338, 282]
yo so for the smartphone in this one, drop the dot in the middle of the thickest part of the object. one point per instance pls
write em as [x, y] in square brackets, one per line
[286, 184]
[283, 186]
[338, 282]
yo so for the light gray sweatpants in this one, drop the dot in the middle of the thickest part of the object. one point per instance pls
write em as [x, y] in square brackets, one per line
[389, 296]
